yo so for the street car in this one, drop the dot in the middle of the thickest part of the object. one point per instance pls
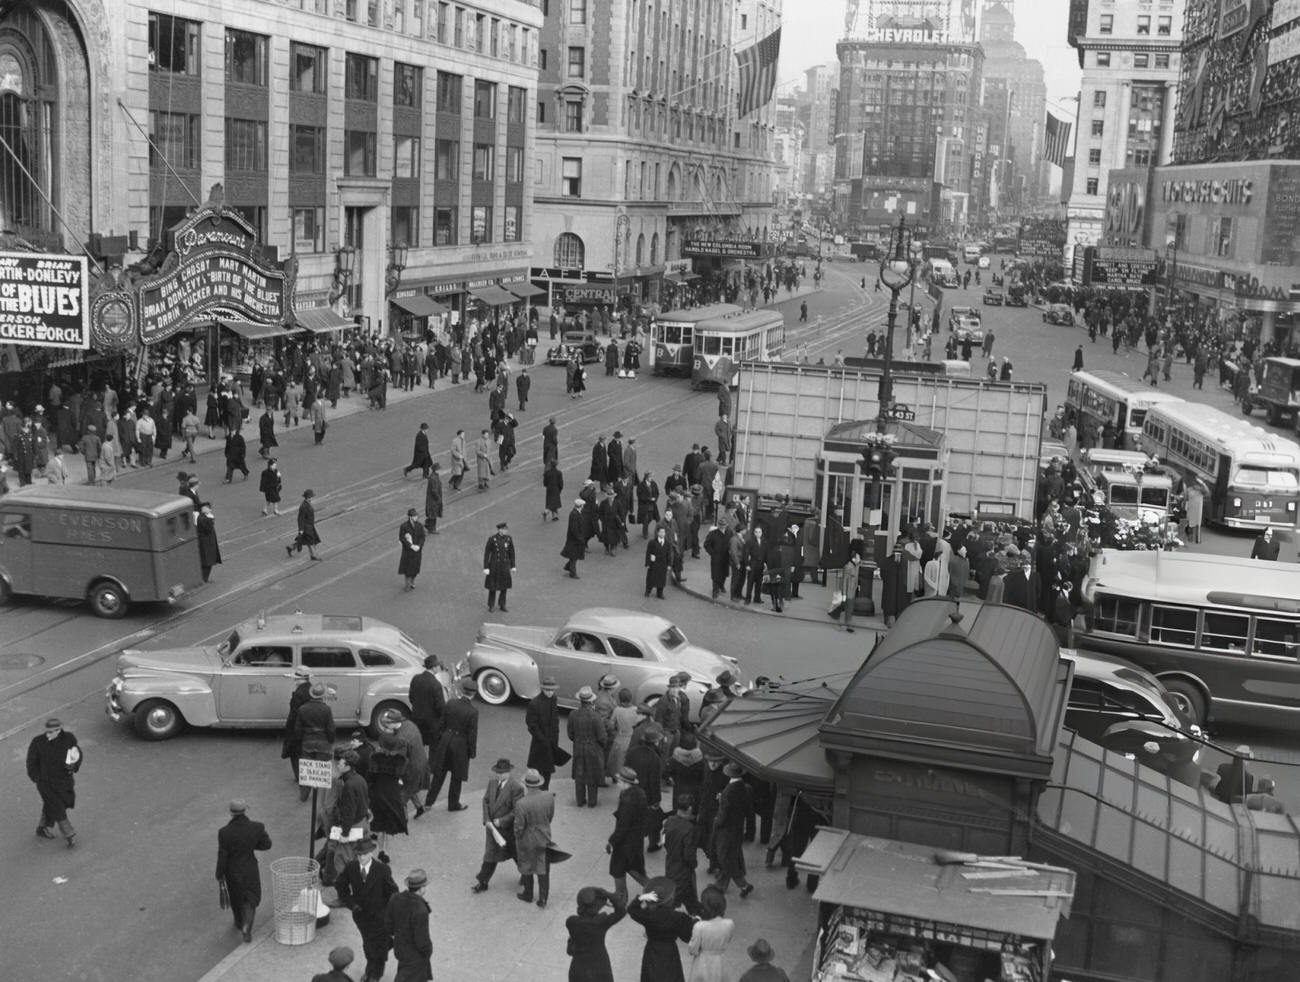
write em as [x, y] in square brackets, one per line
[584, 345]
[994, 296]
[642, 650]
[245, 680]
[1059, 313]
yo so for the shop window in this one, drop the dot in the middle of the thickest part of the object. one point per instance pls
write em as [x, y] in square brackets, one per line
[308, 69]
[481, 224]
[514, 165]
[306, 150]
[444, 226]
[516, 99]
[408, 83]
[514, 227]
[572, 115]
[446, 155]
[1144, 24]
[569, 253]
[1103, 59]
[571, 177]
[577, 11]
[1091, 186]
[449, 93]
[406, 156]
[484, 162]
[308, 232]
[246, 145]
[485, 100]
[173, 45]
[405, 225]
[361, 78]
[577, 62]
[359, 153]
[1107, 24]
[173, 137]
[245, 58]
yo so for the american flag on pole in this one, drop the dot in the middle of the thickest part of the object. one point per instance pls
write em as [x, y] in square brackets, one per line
[758, 73]
[1056, 140]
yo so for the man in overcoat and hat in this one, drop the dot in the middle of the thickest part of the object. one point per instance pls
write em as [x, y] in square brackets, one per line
[499, 799]
[457, 746]
[365, 886]
[542, 718]
[52, 759]
[237, 844]
[498, 565]
[587, 732]
[407, 919]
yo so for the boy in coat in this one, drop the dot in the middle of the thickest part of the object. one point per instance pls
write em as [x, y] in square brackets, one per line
[237, 843]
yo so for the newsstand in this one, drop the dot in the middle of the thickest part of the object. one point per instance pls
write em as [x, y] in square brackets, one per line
[890, 910]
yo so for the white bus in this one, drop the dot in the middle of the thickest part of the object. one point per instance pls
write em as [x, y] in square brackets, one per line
[722, 343]
[1253, 475]
[1103, 397]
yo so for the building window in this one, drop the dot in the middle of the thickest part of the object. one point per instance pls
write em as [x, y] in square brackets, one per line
[404, 224]
[449, 93]
[1222, 237]
[1106, 24]
[406, 156]
[480, 33]
[514, 230]
[359, 153]
[1103, 59]
[173, 137]
[361, 78]
[1162, 61]
[1164, 25]
[446, 156]
[571, 177]
[480, 224]
[444, 15]
[485, 100]
[350, 10]
[245, 58]
[417, 18]
[577, 11]
[255, 215]
[1144, 24]
[173, 45]
[408, 84]
[494, 46]
[246, 145]
[1099, 99]
[541, 59]
[1094, 156]
[1091, 187]
[444, 225]
[1140, 59]
[577, 62]
[458, 33]
[516, 98]
[541, 111]
[514, 165]
[1098, 127]
[569, 251]
[572, 115]
[308, 69]
[484, 162]
[308, 234]
[306, 150]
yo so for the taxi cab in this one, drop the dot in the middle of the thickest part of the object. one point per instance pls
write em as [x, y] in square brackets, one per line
[245, 680]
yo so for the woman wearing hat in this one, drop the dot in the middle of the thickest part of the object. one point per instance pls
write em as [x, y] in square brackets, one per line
[709, 938]
[587, 929]
[384, 778]
[587, 732]
[664, 927]
[761, 954]
[532, 831]
[626, 844]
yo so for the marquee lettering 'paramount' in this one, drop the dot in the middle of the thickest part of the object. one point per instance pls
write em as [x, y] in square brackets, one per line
[1237, 191]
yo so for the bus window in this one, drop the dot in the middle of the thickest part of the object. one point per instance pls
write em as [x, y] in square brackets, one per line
[728, 346]
[710, 345]
[1117, 615]
[1225, 632]
[1156, 497]
[1174, 625]
[1136, 417]
[672, 334]
[1123, 494]
[1275, 639]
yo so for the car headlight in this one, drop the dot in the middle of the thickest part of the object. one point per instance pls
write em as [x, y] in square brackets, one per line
[1236, 502]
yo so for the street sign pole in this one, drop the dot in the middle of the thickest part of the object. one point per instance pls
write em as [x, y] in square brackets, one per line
[314, 774]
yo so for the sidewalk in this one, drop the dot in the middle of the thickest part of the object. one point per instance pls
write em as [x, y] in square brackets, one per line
[522, 942]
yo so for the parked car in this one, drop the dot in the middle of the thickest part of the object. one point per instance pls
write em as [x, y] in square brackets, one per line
[957, 314]
[641, 649]
[584, 345]
[970, 329]
[245, 681]
[1059, 313]
[1017, 296]
[994, 296]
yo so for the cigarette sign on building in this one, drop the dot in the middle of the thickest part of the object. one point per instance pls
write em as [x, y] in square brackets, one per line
[43, 300]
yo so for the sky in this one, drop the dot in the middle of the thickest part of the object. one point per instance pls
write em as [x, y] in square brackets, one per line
[811, 27]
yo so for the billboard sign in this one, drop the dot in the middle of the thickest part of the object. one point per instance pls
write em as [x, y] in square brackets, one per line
[44, 300]
[723, 248]
[1110, 266]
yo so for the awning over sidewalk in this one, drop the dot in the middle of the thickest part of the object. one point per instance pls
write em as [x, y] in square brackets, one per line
[525, 290]
[420, 306]
[252, 330]
[320, 320]
[493, 296]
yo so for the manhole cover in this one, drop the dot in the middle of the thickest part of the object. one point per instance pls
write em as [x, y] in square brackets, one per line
[19, 662]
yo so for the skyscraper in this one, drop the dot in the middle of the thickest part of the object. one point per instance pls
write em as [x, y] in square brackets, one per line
[1015, 104]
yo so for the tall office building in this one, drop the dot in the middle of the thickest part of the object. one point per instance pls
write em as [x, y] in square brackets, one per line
[906, 126]
[1129, 53]
[821, 90]
[1015, 105]
[639, 147]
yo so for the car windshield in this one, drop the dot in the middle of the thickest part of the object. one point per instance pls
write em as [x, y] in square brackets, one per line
[229, 645]
[1260, 477]
[672, 637]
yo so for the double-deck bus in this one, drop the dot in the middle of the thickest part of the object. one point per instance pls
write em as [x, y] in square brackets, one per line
[1253, 475]
[722, 343]
[672, 336]
[1221, 632]
[1102, 397]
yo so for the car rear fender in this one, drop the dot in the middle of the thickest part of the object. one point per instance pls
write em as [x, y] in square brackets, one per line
[391, 688]
[519, 667]
[193, 697]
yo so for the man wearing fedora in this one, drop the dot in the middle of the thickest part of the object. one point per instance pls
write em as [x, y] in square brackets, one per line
[626, 846]
[410, 536]
[588, 735]
[532, 836]
[290, 748]
[365, 886]
[314, 725]
[542, 718]
[499, 799]
[734, 804]
[457, 746]
[761, 954]
[407, 919]
[53, 758]
[339, 959]
[605, 704]
[237, 844]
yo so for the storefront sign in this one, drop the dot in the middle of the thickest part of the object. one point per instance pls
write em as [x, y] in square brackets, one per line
[215, 267]
[1235, 191]
[1122, 267]
[723, 248]
[306, 301]
[1041, 237]
[903, 35]
[1280, 242]
[555, 273]
[43, 300]
[677, 266]
[585, 294]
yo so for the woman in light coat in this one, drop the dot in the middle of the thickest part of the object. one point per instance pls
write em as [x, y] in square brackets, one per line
[937, 575]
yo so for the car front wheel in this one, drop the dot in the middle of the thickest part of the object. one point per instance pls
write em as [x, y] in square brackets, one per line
[158, 720]
[493, 687]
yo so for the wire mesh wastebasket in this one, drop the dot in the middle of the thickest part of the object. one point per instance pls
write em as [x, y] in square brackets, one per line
[295, 885]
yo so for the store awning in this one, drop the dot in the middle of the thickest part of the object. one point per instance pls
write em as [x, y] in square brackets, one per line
[321, 320]
[674, 277]
[252, 330]
[420, 306]
[493, 296]
[687, 277]
[525, 290]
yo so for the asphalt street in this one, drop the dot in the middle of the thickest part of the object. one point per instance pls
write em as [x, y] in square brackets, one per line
[139, 887]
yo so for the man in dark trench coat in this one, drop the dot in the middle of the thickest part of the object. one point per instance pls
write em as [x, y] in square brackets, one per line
[52, 760]
[457, 746]
[237, 842]
[411, 536]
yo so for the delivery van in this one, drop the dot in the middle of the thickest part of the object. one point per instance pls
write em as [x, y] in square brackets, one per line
[111, 547]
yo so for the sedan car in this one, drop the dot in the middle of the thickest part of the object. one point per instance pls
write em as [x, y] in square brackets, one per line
[957, 314]
[1017, 296]
[583, 345]
[1059, 313]
[994, 296]
[642, 650]
[245, 680]
[969, 328]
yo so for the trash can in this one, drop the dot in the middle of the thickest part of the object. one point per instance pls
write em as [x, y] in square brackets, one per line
[295, 886]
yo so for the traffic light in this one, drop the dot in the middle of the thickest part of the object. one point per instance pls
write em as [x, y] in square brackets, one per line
[878, 461]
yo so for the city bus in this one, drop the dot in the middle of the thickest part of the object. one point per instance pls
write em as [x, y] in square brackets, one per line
[1222, 633]
[1104, 396]
[672, 336]
[722, 343]
[1253, 476]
